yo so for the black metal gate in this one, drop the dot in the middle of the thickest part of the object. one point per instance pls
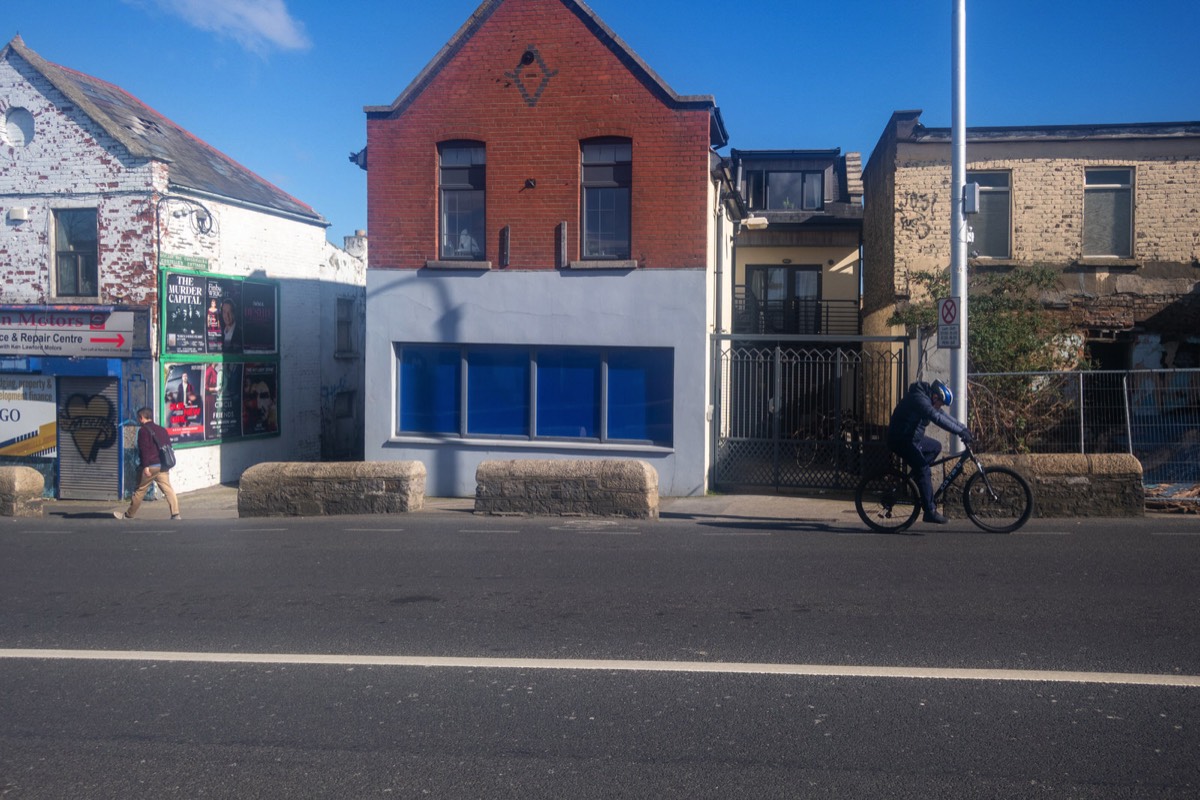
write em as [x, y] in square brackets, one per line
[802, 412]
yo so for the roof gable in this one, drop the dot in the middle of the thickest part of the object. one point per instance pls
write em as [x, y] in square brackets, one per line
[194, 164]
[622, 51]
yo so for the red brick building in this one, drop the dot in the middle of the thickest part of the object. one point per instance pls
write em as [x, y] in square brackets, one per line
[546, 218]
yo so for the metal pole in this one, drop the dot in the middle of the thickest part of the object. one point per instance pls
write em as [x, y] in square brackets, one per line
[958, 224]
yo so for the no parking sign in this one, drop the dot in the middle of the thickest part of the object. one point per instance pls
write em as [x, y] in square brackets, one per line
[949, 336]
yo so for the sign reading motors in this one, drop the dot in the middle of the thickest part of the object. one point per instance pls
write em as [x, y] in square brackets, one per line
[66, 333]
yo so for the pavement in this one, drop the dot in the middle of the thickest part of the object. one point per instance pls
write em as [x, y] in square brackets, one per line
[220, 502]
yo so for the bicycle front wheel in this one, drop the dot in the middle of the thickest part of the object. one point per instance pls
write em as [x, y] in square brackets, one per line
[888, 502]
[998, 500]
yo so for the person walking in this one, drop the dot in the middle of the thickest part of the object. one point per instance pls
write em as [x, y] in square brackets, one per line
[150, 438]
[923, 404]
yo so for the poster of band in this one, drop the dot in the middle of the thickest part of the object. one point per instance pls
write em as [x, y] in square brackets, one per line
[211, 315]
[206, 402]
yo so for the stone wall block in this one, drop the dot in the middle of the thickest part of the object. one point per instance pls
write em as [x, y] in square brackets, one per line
[21, 491]
[567, 487]
[298, 489]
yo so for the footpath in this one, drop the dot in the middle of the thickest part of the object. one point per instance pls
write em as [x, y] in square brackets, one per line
[221, 502]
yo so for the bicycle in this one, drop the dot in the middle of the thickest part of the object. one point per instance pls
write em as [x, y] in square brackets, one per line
[996, 499]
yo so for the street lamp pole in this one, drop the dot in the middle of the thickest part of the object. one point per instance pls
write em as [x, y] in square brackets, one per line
[958, 220]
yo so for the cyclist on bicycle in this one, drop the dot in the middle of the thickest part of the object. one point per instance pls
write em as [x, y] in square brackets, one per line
[906, 436]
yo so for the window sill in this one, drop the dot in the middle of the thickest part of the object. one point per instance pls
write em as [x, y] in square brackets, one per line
[590, 445]
[477, 266]
[346, 355]
[1107, 261]
[603, 264]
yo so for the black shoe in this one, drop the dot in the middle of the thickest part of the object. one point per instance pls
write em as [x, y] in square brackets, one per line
[935, 518]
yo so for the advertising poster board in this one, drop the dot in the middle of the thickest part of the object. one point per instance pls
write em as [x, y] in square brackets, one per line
[222, 401]
[184, 403]
[219, 315]
[28, 416]
[260, 406]
[185, 317]
[259, 301]
[223, 319]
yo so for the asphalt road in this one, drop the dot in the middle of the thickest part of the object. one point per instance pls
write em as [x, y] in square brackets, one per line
[448, 655]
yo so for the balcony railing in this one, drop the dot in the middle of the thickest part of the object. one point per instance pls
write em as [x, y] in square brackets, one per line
[795, 316]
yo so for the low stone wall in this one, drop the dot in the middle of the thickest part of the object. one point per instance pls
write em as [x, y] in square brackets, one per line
[301, 489]
[615, 487]
[1071, 484]
[21, 491]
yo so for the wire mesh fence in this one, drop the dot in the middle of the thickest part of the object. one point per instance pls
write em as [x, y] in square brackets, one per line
[1152, 414]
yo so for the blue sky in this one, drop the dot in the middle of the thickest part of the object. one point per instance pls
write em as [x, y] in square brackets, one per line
[280, 85]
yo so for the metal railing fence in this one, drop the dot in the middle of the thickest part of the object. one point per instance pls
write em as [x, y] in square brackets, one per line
[1152, 414]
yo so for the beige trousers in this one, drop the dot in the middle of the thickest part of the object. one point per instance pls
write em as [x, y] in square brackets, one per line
[163, 479]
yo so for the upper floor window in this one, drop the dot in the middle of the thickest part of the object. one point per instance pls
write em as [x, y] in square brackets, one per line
[992, 225]
[461, 181]
[75, 252]
[786, 190]
[607, 192]
[1108, 213]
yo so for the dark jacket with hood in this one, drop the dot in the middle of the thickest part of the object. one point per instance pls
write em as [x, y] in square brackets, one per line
[915, 412]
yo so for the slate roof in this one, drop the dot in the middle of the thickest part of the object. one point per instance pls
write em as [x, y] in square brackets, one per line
[194, 165]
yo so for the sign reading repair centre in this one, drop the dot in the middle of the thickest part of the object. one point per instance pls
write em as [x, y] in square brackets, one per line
[102, 334]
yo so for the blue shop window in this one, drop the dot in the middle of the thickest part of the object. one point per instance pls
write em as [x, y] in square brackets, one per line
[640, 386]
[498, 391]
[430, 387]
[568, 393]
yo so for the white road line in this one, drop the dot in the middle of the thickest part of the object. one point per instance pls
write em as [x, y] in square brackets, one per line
[373, 530]
[485, 530]
[604, 665]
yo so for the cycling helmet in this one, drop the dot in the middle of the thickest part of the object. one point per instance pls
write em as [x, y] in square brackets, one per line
[942, 391]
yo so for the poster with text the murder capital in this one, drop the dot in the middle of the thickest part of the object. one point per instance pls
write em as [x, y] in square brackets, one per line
[185, 320]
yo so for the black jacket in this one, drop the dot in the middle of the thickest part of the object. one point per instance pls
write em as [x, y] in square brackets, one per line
[914, 413]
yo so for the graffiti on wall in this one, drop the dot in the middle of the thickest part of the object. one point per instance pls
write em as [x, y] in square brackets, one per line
[917, 210]
[91, 422]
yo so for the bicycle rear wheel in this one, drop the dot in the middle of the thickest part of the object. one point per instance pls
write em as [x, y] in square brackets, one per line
[888, 502]
[998, 500]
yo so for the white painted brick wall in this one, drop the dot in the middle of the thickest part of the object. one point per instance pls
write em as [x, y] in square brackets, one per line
[71, 162]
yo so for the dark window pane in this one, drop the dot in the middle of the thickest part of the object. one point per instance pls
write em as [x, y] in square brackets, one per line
[991, 225]
[1108, 177]
[606, 217]
[462, 181]
[1107, 215]
[498, 391]
[76, 247]
[568, 393]
[640, 395]
[430, 383]
[607, 178]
